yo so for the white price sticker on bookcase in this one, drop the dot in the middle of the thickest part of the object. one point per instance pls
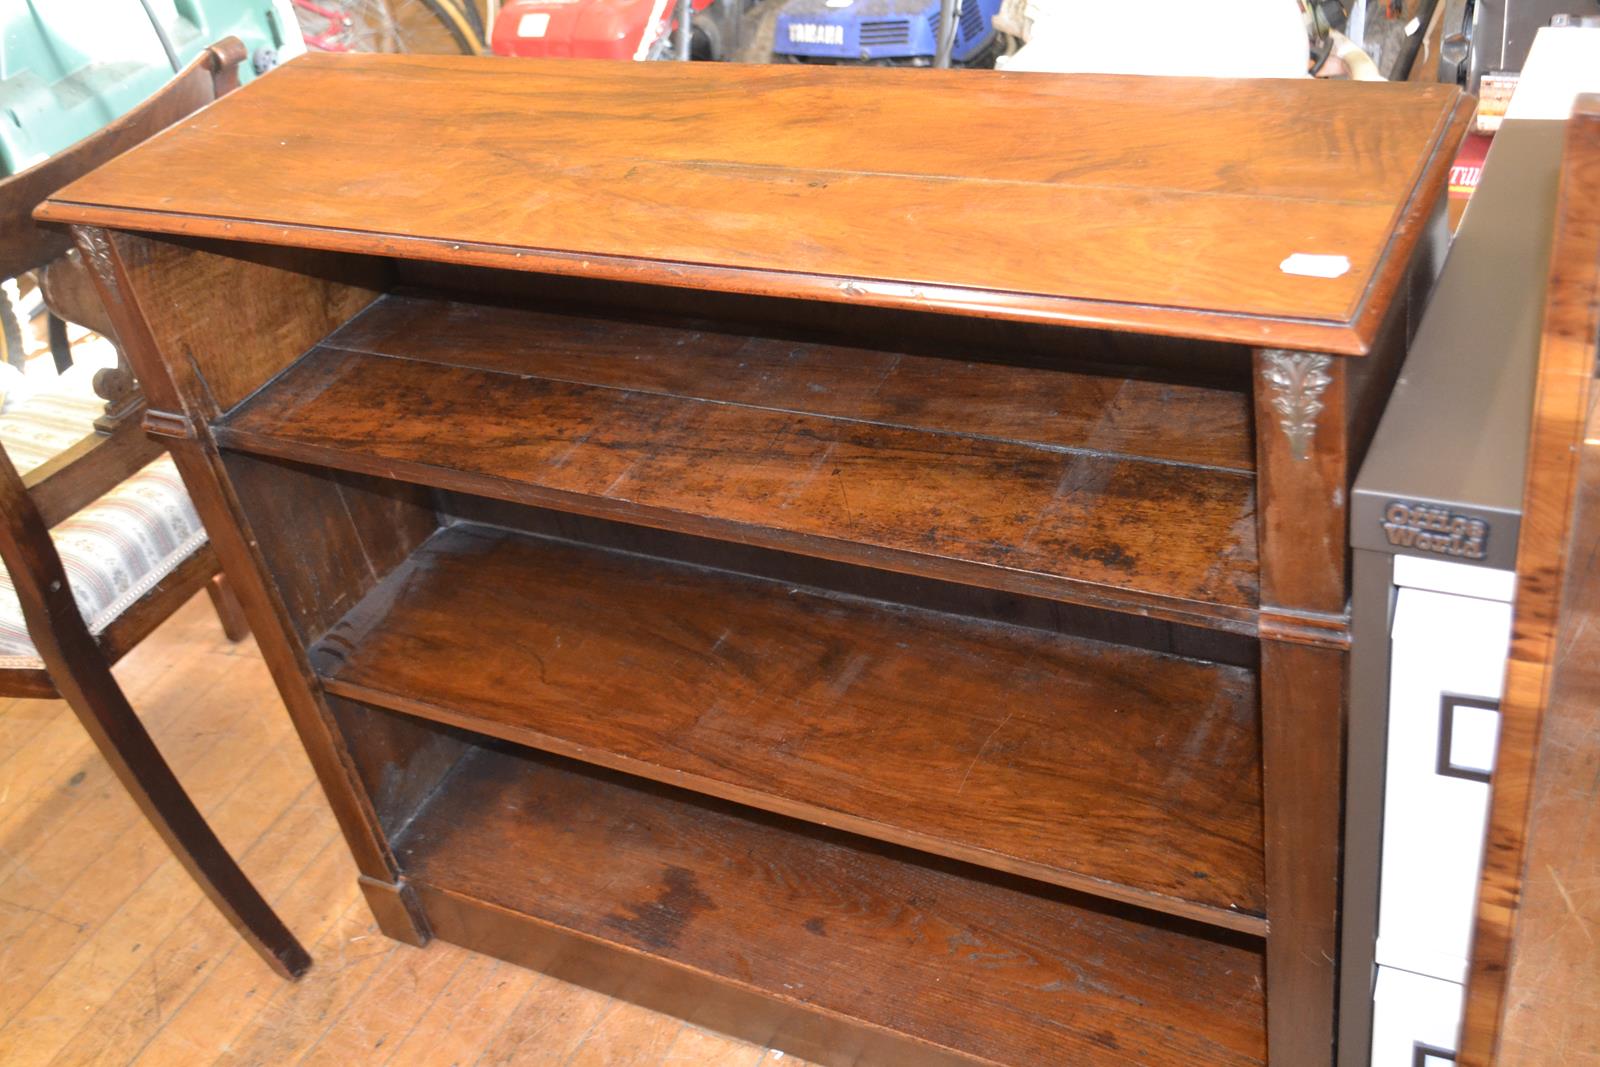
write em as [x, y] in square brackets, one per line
[1309, 265]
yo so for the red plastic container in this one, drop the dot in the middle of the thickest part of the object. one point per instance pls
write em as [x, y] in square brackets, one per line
[582, 29]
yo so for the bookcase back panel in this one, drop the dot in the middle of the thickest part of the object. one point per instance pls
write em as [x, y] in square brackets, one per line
[890, 587]
[327, 537]
[401, 760]
[931, 331]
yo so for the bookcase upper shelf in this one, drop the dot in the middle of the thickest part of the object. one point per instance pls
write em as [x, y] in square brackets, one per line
[1137, 496]
[1141, 204]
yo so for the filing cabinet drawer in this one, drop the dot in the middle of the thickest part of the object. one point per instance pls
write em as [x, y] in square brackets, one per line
[1448, 663]
[1414, 1020]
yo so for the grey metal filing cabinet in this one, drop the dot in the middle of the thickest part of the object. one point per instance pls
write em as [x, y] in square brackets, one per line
[1434, 519]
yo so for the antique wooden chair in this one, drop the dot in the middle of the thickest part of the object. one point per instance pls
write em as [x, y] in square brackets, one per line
[99, 540]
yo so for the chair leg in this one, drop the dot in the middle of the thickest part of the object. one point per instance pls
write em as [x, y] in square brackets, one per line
[122, 739]
[229, 611]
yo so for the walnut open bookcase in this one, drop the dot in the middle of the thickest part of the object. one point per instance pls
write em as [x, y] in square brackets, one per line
[855, 557]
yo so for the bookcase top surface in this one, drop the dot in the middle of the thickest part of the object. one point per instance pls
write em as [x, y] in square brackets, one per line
[1202, 208]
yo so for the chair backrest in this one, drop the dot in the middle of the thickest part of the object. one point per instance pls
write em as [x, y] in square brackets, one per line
[30, 505]
[25, 245]
[1535, 972]
[101, 460]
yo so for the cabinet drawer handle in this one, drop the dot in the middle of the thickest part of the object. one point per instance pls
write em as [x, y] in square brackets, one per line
[1480, 729]
[1428, 1056]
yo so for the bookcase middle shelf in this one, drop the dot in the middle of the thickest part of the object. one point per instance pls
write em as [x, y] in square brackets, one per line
[1117, 771]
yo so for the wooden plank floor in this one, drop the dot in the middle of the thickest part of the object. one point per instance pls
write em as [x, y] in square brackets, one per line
[110, 955]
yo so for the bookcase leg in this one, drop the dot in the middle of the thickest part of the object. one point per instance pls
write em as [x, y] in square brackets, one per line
[1303, 479]
[1303, 698]
[394, 905]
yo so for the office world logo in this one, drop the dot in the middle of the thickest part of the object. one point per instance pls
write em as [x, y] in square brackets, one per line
[1431, 528]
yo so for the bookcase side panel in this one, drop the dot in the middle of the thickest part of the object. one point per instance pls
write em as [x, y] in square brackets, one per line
[227, 317]
[180, 312]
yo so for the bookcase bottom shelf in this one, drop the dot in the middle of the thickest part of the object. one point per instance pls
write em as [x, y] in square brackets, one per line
[810, 939]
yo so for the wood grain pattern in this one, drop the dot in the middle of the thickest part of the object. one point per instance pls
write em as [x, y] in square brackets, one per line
[813, 920]
[1546, 552]
[657, 985]
[401, 760]
[1125, 774]
[918, 331]
[1554, 976]
[75, 842]
[1159, 538]
[1170, 204]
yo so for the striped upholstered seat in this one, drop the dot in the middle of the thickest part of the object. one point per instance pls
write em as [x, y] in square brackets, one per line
[116, 549]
